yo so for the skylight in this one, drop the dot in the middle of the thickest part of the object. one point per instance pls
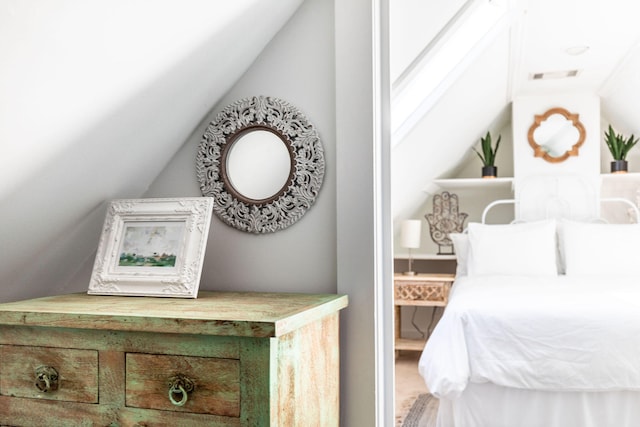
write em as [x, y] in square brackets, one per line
[444, 59]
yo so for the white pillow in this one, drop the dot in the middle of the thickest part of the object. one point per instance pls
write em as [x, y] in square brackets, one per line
[461, 248]
[599, 249]
[526, 249]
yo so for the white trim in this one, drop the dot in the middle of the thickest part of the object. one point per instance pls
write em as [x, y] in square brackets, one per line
[383, 239]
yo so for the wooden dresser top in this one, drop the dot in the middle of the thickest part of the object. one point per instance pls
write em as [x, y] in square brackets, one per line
[212, 313]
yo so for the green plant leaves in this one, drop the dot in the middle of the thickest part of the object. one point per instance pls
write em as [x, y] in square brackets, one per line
[619, 146]
[488, 155]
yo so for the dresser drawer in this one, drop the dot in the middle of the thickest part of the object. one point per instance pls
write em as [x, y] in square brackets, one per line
[49, 373]
[216, 383]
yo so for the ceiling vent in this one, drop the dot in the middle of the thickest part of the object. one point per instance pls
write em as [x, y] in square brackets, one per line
[554, 75]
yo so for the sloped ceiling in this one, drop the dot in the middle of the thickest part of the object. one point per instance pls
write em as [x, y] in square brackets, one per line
[542, 36]
[95, 99]
[443, 137]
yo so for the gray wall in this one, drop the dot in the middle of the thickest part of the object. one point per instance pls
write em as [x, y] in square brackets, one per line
[333, 248]
[364, 210]
[297, 66]
[70, 143]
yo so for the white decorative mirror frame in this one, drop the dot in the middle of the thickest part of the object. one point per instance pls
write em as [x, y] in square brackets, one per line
[235, 202]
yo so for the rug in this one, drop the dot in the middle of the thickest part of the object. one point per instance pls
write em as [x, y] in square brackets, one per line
[423, 412]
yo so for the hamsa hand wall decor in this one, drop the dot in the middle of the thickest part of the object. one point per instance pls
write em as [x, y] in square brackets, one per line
[445, 219]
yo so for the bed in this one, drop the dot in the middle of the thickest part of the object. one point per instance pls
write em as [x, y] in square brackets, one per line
[542, 327]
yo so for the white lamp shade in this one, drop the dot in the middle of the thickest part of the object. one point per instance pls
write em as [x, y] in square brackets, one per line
[410, 233]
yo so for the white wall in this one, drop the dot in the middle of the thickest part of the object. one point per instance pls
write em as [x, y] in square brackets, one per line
[445, 134]
[413, 24]
[575, 180]
[619, 98]
[586, 105]
[472, 199]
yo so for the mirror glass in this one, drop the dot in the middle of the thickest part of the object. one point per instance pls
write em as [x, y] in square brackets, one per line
[556, 135]
[258, 164]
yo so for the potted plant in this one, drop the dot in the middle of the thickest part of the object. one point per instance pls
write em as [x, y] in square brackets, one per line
[488, 156]
[619, 146]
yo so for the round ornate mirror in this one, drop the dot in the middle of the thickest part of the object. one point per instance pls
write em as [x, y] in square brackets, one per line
[556, 135]
[262, 162]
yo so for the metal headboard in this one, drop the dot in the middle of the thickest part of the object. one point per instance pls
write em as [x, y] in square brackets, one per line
[628, 202]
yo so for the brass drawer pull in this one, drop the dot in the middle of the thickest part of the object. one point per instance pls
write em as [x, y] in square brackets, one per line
[179, 388]
[46, 378]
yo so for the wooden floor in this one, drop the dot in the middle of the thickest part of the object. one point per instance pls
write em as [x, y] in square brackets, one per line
[409, 383]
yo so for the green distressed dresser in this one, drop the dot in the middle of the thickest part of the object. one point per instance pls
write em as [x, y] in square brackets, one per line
[223, 359]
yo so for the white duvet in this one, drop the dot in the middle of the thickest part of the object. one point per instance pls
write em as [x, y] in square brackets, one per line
[558, 333]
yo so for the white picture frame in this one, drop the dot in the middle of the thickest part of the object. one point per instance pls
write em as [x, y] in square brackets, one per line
[152, 247]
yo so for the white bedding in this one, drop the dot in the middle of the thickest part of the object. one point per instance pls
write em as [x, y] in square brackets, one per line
[488, 405]
[541, 333]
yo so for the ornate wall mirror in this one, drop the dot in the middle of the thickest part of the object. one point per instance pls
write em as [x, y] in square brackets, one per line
[556, 135]
[262, 162]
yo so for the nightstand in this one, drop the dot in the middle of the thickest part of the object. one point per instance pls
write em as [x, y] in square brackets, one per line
[431, 290]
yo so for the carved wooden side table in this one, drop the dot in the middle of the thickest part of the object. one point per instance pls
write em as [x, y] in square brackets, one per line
[418, 290]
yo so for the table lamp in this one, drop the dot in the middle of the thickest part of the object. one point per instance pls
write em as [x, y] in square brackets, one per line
[410, 239]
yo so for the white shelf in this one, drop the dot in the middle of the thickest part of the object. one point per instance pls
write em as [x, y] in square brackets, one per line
[431, 257]
[505, 183]
[410, 344]
[609, 178]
